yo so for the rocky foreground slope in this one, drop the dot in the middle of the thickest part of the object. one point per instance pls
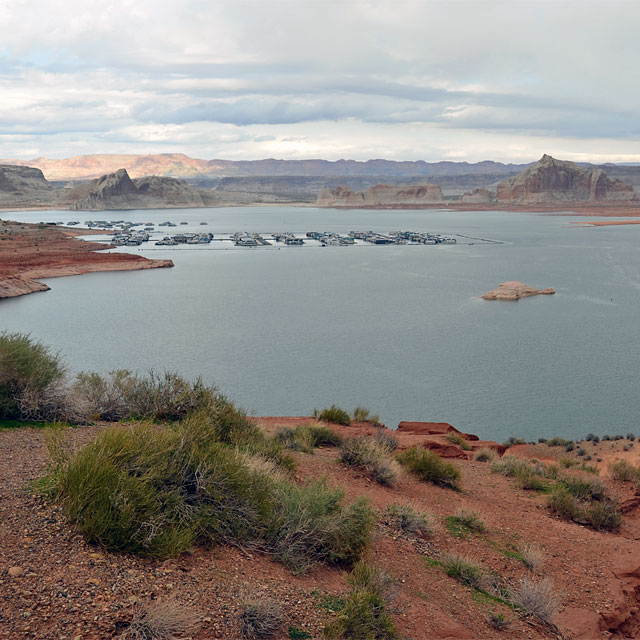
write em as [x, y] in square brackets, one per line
[55, 585]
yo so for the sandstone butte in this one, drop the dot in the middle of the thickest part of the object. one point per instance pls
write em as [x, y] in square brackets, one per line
[514, 290]
[32, 251]
[57, 585]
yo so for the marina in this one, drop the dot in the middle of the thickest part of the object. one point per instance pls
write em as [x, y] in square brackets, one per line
[128, 234]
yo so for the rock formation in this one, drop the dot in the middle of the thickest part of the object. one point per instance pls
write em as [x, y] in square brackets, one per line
[514, 290]
[23, 186]
[477, 196]
[550, 181]
[118, 191]
[382, 195]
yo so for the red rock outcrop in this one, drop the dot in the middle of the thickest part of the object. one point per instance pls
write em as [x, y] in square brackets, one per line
[550, 180]
[382, 195]
[514, 290]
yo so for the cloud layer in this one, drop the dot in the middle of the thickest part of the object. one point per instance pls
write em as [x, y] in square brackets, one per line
[358, 79]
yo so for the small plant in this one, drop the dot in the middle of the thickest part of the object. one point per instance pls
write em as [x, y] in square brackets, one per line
[458, 440]
[581, 452]
[623, 471]
[463, 570]
[485, 455]
[536, 598]
[563, 503]
[260, 618]
[361, 414]
[295, 633]
[557, 442]
[529, 480]
[386, 439]
[604, 515]
[606, 438]
[365, 615]
[333, 414]
[595, 440]
[159, 620]
[511, 441]
[465, 522]
[430, 467]
[498, 621]
[569, 446]
[404, 518]
[374, 458]
[541, 440]
[531, 556]
[618, 436]
[590, 437]
[584, 488]
[631, 436]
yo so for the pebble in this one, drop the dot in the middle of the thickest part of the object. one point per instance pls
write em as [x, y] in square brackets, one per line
[15, 572]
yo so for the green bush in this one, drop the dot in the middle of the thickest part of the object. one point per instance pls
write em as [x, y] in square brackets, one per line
[374, 459]
[463, 570]
[604, 515]
[309, 525]
[458, 440]
[404, 518]
[623, 471]
[584, 488]
[386, 439]
[155, 491]
[562, 502]
[365, 615]
[464, 522]
[485, 455]
[430, 467]
[333, 414]
[28, 369]
[361, 414]
[557, 442]
[529, 480]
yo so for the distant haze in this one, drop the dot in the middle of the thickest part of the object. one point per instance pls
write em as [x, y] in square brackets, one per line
[353, 79]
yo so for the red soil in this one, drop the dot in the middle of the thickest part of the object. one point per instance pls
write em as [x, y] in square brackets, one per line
[29, 251]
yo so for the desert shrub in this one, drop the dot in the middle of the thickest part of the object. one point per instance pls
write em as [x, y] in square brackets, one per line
[606, 438]
[260, 618]
[603, 515]
[512, 466]
[618, 436]
[463, 570]
[321, 435]
[587, 457]
[430, 467]
[286, 436]
[361, 414]
[623, 471]
[541, 440]
[631, 436]
[295, 633]
[160, 620]
[530, 555]
[552, 471]
[567, 463]
[536, 598]
[333, 414]
[307, 437]
[156, 491]
[626, 447]
[309, 525]
[584, 488]
[569, 446]
[557, 442]
[511, 441]
[581, 452]
[595, 440]
[589, 437]
[528, 479]
[404, 518]
[464, 522]
[386, 439]
[563, 503]
[106, 394]
[458, 440]
[27, 370]
[373, 458]
[498, 621]
[365, 614]
[485, 455]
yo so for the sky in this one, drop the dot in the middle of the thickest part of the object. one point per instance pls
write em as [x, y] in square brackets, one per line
[355, 79]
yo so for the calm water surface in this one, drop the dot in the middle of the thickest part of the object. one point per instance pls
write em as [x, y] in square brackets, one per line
[400, 330]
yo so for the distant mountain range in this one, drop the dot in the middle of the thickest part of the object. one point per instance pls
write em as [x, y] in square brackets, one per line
[178, 165]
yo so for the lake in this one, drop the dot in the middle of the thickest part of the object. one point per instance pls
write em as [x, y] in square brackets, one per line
[398, 329]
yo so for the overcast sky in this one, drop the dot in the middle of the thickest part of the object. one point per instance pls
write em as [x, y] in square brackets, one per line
[249, 79]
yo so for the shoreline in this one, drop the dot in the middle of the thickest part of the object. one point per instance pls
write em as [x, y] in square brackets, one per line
[30, 252]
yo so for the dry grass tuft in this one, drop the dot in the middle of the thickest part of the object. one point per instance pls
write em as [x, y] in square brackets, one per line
[260, 618]
[537, 598]
[160, 620]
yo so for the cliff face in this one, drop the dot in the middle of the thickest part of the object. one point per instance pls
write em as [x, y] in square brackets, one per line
[551, 180]
[382, 195]
[477, 196]
[118, 191]
[23, 186]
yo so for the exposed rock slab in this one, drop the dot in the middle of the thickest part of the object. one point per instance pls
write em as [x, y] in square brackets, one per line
[550, 180]
[11, 287]
[514, 290]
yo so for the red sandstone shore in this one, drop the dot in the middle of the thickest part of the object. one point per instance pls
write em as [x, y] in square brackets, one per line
[29, 252]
